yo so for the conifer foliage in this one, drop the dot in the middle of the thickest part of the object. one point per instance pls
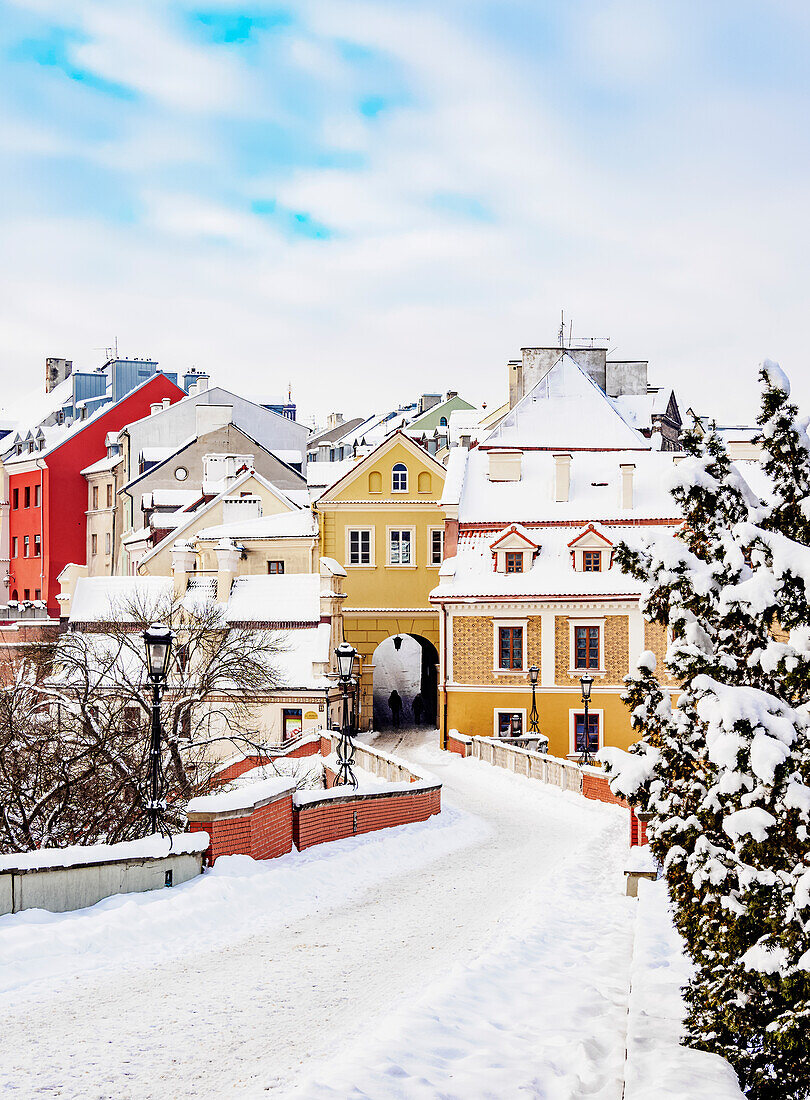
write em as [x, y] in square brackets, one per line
[725, 774]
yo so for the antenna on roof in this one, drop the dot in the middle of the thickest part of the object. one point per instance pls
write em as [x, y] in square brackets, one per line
[562, 328]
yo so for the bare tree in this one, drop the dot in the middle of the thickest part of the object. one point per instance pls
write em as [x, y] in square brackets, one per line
[74, 722]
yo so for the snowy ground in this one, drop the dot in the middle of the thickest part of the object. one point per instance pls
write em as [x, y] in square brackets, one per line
[485, 953]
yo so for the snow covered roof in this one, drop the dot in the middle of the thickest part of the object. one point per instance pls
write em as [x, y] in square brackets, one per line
[285, 598]
[287, 525]
[104, 465]
[323, 475]
[638, 409]
[551, 575]
[566, 410]
[303, 648]
[594, 493]
[98, 599]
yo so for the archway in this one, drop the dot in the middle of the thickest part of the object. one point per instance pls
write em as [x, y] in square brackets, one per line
[407, 666]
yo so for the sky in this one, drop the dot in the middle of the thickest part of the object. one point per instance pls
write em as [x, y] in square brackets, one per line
[370, 199]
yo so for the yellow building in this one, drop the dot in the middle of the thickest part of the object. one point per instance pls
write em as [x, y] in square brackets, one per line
[534, 514]
[382, 521]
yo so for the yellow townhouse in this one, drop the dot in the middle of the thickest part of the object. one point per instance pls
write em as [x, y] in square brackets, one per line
[382, 521]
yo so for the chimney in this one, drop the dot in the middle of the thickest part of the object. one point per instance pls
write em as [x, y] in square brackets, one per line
[627, 470]
[334, 420]
[183, 558]
[227, 565]
[155, 408]
[562, 477]
[166, 402]
[56, 371]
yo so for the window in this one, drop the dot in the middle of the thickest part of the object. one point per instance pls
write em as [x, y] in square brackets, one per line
[26, 593]
[399, 478]
[109, 494]
[579, 733]
[16, 496]
[180, 473]
[506, 719]
[442, 421]
[14, 547]
[37, 500]
[510, 647]
[592, 561]
[26, 547]
[94, 544]
[37, 546]
[514, 561]
[107, 543]
[399, 547]
[276, 568]
[37, 593]
[586, 647]
[95, 497]
[27, 491]
[291, 722]
[437, 546]
[360, 547]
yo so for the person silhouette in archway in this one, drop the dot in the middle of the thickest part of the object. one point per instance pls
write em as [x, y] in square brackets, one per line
[395, 703]
[418, 709]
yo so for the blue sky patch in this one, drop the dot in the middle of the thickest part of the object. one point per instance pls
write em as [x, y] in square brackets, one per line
[234, 28]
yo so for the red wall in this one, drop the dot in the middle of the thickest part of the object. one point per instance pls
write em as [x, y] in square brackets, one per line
[64, 497]
[27, 572]
[320, 822]
[263, 833]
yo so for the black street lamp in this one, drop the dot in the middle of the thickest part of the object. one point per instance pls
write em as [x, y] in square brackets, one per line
[158, 641]
[534, 725]
[587, 683]
[345, 655]
[514, 725]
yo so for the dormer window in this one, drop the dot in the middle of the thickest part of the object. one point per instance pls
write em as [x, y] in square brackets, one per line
[514, 550]
[591, 550]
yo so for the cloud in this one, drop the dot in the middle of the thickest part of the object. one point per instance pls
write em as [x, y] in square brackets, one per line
[372, 198]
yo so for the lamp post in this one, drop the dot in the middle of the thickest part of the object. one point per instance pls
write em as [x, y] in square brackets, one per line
[345, 655]
[514, 725]
[534, 726]
[587, 683]
[158, 641]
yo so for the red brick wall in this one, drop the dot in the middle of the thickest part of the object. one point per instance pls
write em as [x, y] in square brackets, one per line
[239, 767]
[263, 834]
[321, 822]
[638, 830]
[597, 787]
[461, 747]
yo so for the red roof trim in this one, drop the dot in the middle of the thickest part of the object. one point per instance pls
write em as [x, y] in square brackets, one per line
[589, 530]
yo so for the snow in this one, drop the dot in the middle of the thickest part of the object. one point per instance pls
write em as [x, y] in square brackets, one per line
[658, 1067]
[753, 821]
[285, 525]
[284, 598]
[383, 966]
[98, 599]
[242, 797]
[775, 375]
[103, 465]
[304, 647]
[149, 847]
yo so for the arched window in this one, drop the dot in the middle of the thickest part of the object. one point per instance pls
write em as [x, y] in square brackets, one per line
[375, 482]
[443, 422]
[399, 478]
[14, 595]
[424, 482]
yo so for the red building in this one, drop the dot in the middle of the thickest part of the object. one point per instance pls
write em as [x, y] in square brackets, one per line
[48, 495]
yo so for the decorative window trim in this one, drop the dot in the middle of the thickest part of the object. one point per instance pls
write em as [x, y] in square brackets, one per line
[507, 710]
[593, 712]
[573, 670]
[496, 648]
[371, 564]
[431, 563]
[412, 564]
[399, 468]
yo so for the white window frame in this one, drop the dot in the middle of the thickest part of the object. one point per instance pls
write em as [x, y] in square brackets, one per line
[431, 563]
[496, 654]
[107, 542]
[510, 711]
[593, 712]
[394, 472]
[573, 670]
[399, 565]
[360, 565]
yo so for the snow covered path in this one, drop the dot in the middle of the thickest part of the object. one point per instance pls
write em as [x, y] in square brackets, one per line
[485, 953]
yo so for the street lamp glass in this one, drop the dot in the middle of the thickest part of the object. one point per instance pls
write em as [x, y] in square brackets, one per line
[587, 684]
[345, 660]
[534, 672]
[158, 641]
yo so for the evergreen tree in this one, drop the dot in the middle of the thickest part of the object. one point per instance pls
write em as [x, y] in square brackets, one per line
[726, 774]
